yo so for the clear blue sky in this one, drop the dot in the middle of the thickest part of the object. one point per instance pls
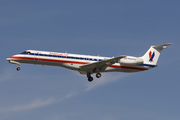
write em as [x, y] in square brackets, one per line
[102, 27]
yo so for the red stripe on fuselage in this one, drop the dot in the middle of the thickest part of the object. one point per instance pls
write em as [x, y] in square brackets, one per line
[127, 67]
[74, 62]
[48, 60]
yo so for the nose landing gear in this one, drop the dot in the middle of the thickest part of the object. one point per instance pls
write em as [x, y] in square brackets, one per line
[14, 62]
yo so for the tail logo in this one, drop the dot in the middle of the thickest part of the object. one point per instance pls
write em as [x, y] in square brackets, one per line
[151, 56]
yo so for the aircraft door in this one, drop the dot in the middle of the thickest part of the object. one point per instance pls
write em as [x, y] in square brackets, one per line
[36, 56]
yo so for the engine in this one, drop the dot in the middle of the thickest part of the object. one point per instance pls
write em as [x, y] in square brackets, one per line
[131, 61]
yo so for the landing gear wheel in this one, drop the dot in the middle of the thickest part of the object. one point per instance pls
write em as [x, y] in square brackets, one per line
[98, 75]
[90, 79]
[18, 68]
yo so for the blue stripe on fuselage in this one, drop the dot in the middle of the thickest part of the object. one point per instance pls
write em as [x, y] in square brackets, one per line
[148, 65]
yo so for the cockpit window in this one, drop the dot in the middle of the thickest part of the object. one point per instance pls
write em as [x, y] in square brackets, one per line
[23, 52]
[26, 52]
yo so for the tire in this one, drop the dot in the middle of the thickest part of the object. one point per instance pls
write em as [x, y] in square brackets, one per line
[18, 68]
[90, 79]
[98, 75]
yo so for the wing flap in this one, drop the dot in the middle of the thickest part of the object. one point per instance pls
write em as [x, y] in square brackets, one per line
[101, 65]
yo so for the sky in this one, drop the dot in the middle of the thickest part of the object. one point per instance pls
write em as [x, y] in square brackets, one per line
[102, 27]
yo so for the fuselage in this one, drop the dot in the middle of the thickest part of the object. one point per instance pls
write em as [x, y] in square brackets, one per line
[70, 61]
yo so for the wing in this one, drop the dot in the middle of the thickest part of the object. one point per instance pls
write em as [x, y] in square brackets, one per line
[100, 65]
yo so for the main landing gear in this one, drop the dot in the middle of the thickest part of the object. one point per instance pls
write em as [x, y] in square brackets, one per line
[90, 79]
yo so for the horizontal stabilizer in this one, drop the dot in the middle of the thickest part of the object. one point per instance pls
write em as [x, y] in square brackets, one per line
[162, 46]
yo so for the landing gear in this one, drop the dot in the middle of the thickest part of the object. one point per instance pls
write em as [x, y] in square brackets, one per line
[98, 75]
[18, 68]
[90, 79]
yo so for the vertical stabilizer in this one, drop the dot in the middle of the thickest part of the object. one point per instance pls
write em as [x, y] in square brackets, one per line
[152, 55]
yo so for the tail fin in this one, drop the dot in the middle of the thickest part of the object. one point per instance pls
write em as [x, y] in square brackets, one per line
[152, 55]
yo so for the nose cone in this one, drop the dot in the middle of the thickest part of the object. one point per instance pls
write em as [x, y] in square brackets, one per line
[9, 58]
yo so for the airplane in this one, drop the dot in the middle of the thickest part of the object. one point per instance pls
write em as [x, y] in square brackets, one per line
[87, 65]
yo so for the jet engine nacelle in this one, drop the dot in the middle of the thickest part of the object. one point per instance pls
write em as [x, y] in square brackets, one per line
[132, 61]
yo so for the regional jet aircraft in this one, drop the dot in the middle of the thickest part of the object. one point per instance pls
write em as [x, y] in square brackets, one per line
[87, 65]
